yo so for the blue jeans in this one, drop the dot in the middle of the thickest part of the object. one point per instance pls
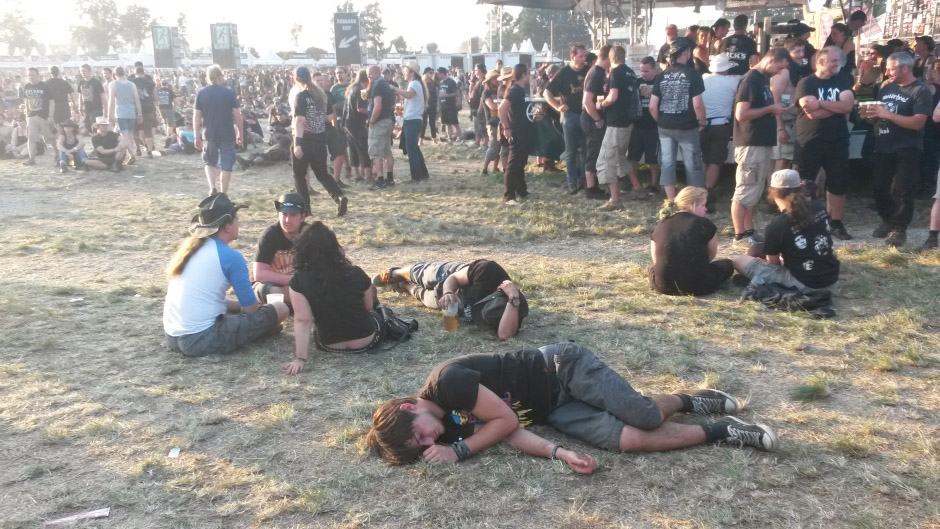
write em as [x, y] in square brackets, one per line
[574, 149]
[80, 157]
[412, 129]
[670, 141]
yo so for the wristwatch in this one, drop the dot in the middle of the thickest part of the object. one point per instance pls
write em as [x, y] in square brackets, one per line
[514, 302]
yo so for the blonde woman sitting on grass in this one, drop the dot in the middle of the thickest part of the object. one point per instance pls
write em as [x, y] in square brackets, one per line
[683, 247]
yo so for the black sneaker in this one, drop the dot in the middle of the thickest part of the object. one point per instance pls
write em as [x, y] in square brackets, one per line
[379, 184]
[342, 203]
[245, 164]
[897, 237]
[389, 183]
[882, 231]
[596, 193]
[712, 401]
[63, 168]
[342, 185]
[929, 244]
[743, 434]
[573, 190]
[839, 232]
[710, 202]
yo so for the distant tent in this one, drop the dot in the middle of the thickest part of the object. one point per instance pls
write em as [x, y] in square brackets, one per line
[393, 50]
[269, 59]
[515, 49]
[527, 47]
[545, 48]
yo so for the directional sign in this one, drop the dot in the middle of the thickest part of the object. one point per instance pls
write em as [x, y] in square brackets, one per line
[348, 41]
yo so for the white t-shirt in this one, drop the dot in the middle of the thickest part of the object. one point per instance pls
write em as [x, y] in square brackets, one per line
[719, 96]
[414, 107]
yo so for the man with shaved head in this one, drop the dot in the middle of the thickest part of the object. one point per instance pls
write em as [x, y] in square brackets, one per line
[381, 114]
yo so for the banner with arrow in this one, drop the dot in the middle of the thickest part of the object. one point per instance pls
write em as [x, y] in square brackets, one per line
[348, 42]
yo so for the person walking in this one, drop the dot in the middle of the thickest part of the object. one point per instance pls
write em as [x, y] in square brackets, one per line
[415, 97]
[217, 111]
[125, 110]
[564, 93]
[518, 131]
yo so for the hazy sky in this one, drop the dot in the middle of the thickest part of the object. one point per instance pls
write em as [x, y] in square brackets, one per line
[265, 28]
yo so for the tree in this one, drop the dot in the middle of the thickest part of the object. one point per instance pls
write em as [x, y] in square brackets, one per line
[432, 47]
[400, 44]
[371, 20]
[135, 25]
[295, 32]
[316, 53]
[345, 7]
[183, 33]
[101, 22]
[510, 32]
[569, 29]
[15, 31]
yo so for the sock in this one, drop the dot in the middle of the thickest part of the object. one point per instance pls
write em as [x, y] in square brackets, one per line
[389, 176]
[836, 223]
[934, 233]
[715, 431]
[686, 403]
[380, 179]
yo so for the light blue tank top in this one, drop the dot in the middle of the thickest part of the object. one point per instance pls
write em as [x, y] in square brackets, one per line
[124, 92]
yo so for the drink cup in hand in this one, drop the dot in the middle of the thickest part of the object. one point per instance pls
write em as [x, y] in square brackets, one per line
[450, 317]
[275, 298]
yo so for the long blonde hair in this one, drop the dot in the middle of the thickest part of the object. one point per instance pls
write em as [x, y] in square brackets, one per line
[186, 250]
[424, 87]
[684, 201]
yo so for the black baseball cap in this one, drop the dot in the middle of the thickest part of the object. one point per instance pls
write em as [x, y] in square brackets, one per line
[290, 202]
[442, 70]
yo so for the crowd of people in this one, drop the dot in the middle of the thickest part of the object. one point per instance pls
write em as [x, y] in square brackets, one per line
[787, 114]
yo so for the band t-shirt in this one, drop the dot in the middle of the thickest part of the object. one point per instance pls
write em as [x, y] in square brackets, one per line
[568, 85]
[108, 140]
[675, 88]
[381, 89]
[314, 113]
[596, 83]
[343, 318]
[274, 250]
[518, 119]
[60, 89]
[624, 81]
[907, 100]
[145, 90]
[38, 96]
[353, 119]
[216, 104]
[834, 127]
[521, 379]
[448, 87]
[646, 120]
[761, 132]
[682, 252]
[739, 48]
[165, 97]
[808, 253]
[90, 92]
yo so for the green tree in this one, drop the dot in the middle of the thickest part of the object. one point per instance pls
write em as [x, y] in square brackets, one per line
[134, 25]
[99, 28]
[316, 53]
[15, 31]
[295, 32]
[345, 7]
[371, 20]
[432, 47]
[568, 27]
[183, 32]
[400, 44]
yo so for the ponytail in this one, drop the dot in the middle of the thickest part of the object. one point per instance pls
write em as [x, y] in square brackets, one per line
[798, 207]
[186, 250]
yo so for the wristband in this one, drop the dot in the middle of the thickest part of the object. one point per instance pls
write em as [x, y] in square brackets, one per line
[297, 141]
[460, 448]
[304, 360]
[555, 451]
[446, 293]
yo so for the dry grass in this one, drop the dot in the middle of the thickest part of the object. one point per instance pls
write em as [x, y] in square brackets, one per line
[91, 403]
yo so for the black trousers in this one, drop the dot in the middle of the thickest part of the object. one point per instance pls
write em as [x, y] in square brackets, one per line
[514, 178]
[894, 179]
[429, 118]
[315, 155]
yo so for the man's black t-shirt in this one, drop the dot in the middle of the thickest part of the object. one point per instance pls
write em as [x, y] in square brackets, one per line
[663, 56]
[274, 250]
[596, 83]
[646, 120]
[755, 88]
[343, 318]
[90, 92]
[568, 85]
[806, 69]
[107, 141]
[807, 254]
[834, 127]
[905, 101]
[682, 251]
[739, 48]
[60, 89]
[518, 120]
[675, 88]
[353, 119]
[449, 87]
[380, 88]
[165, 97]
[314, 113]
[520, 379]
[484, 276]
[38, 96]
[145, 90]
[620, 113]
[484, 108]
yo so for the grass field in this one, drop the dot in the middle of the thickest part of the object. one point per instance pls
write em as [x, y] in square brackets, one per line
[91, 402]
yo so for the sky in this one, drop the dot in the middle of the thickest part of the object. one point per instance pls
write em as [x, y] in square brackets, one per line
[264, 28]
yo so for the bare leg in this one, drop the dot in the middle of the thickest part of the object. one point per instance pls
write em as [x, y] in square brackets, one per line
[670, 192]
[935, 216]
[590, 179]
[835, 203]
[742, 217]
[338, 167]
[212, 177]
[740, 262]
[225, 179]
[654, 174]
[669, 436]
[712, 171]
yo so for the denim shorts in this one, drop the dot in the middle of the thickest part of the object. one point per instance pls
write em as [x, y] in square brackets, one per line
[216, 149]
[127, 124]
[228, 333]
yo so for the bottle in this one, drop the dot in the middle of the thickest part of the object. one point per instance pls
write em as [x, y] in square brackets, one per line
[450, 318]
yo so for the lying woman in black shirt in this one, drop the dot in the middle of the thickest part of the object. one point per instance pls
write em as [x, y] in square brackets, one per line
[328, 291]
[683, 246]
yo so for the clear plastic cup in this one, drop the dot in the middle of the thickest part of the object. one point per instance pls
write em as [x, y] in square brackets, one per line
[450, 318]
[275, 298]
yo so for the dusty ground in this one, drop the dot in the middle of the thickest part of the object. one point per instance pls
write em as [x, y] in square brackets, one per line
[91, 403]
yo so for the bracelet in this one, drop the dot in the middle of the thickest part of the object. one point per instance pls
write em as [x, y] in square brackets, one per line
[446, 293]
[460, 448]
[304, 360]
[555, 451]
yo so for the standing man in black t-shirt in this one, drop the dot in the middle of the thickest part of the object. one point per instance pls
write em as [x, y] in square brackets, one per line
[899, 129]
[40, 107]
[63, 95]
[92, 98]
[564, 93]
[622, 111]
[381, 113]
[676, 105]
[800, 32]
[145, 89]
[274, 260]
[741, 49]
[592, 120]
[644, 141]
[518, 130]
[822, 132]
[470, 403]
[755, 135]
[448, 93]
[672, 33]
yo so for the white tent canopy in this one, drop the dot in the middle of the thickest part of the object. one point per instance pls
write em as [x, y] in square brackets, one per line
[515, 49]
[269, 58]
[527, 47]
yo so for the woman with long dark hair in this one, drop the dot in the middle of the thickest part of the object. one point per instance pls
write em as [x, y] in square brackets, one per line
[311, 112]
[415, 96]
[331, 294]
[430, 110]
[518, 130]
[355, 121]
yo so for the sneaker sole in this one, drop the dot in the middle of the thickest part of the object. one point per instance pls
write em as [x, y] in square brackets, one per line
[769, 434]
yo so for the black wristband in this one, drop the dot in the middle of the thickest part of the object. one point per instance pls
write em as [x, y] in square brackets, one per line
[555, 451]
[304, 360]
[298, 140]
[460, 448]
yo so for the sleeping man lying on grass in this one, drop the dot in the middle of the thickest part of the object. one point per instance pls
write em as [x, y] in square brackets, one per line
[472, 402]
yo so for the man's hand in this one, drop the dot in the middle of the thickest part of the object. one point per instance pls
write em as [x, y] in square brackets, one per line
[810, 104]
[782, 136]
[440, 454]
[599, 123]
[294, 367]
[298, 152]
[447, 300]
[197, 143]
[778, 109]
[509, 288]
[140, 119]
[580, 463]
[880, 112]
[238, 138]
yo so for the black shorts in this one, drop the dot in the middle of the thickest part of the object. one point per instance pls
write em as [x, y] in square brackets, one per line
[336, 142]
[833, 156]
[644, 144]
[714, 141]
[593, 137]
[449, 115]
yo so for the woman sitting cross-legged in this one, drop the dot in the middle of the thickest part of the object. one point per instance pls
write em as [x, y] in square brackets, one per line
[683, 247]
[330, 293]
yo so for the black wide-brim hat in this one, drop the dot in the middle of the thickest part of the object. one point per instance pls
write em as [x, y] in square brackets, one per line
[488, 311]
[214, 212]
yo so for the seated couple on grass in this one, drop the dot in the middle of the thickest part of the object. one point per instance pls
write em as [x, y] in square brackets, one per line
[472, 402]
[482, 290]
